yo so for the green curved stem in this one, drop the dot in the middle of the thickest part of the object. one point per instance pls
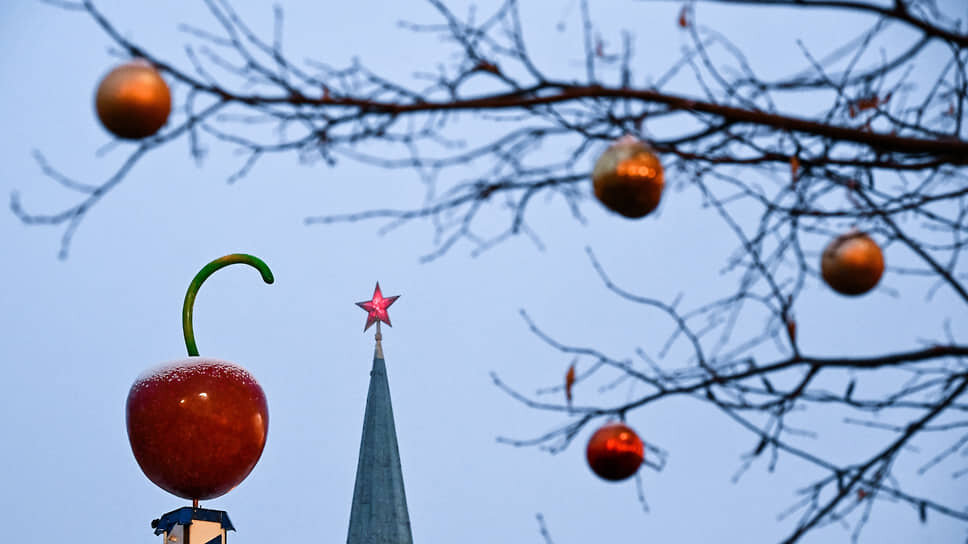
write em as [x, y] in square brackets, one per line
[203, 275]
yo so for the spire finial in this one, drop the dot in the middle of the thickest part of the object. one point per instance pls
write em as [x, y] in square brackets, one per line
[378, 350]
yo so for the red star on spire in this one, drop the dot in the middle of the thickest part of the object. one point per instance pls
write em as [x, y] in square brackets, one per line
[376, 307]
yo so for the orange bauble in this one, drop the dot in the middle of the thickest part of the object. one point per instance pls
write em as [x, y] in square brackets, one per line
[133, 101]
[628, 178]
[852, 263]
[615, 452]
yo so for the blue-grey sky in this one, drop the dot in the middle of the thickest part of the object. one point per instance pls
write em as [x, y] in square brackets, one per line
[76, 333]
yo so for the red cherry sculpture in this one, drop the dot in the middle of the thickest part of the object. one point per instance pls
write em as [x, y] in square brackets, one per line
[198, 426]
[615, 452]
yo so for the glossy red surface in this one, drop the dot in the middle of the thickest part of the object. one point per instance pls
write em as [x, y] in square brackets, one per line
[197, 427]
[615, 452]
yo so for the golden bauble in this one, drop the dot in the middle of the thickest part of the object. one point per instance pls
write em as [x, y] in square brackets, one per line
[133, 101]
[852, 263]
[628, 178]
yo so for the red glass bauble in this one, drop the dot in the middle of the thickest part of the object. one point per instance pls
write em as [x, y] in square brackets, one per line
[852, 263]
[197, 427]
[133, 101]
[628, 178]
[615, 452]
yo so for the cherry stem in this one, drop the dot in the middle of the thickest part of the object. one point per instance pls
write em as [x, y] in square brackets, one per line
[203, 274]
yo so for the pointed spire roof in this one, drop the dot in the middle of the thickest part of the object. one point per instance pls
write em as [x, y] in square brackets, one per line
[379, 513]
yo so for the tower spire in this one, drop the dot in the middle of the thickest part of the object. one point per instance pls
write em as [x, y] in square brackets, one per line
[378, 349]
[379, 512]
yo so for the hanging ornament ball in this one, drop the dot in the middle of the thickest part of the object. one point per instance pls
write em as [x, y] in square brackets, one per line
[197, 427]
[133, 101]
[628, 178]
[615, 452]
[852, 263]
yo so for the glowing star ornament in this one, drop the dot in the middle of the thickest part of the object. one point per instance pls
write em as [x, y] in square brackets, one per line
[376, 308]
